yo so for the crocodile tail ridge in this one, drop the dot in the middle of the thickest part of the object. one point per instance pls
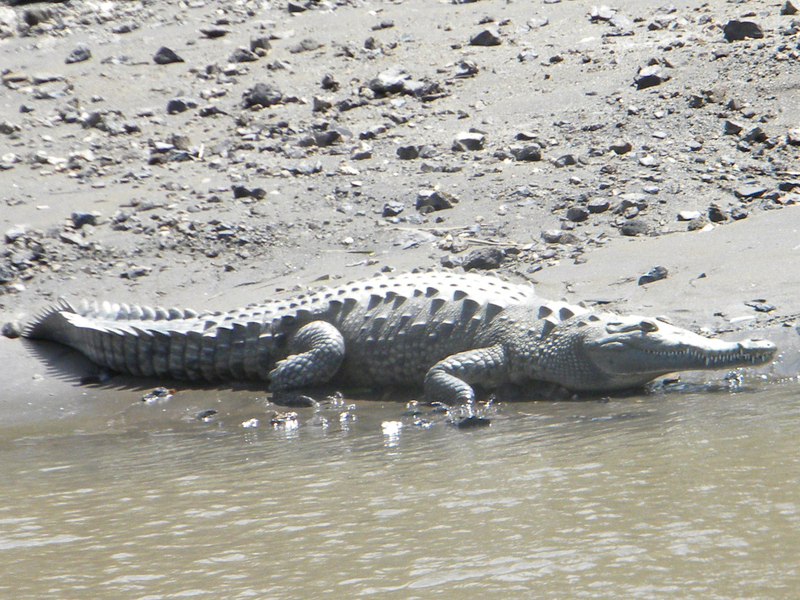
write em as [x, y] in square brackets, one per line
[50, 323]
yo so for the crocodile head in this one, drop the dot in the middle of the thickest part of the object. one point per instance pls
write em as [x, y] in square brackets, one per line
[615, 352]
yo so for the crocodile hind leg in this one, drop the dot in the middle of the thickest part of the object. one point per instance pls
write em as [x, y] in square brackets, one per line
[316, 352]
[450, 379]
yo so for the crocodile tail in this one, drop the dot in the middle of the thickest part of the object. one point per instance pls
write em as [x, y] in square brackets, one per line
[78, 328]
[155, 342]
[51, 324]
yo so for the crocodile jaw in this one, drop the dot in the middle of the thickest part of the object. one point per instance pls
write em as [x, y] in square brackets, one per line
[630, 351]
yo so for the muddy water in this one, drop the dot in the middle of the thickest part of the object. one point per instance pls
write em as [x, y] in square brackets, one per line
[673, 495]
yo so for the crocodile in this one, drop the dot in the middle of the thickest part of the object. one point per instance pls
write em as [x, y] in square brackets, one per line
[447, 331]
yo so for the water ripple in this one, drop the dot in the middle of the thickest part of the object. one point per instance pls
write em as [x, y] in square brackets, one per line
[690, 495]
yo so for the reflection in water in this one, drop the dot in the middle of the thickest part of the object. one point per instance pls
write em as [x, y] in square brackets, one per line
[672, 495]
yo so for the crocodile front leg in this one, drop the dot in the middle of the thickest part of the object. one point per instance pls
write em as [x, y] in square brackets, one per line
[316, 352]
[450, 379]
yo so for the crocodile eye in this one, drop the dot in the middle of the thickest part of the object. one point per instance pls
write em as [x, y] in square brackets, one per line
[648, 326]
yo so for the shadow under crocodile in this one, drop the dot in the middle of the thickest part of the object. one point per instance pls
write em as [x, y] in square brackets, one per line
[71, 367]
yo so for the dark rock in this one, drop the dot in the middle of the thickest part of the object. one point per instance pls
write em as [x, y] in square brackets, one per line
[207, 415]
[760, 305]
[469, 140]
[697, 223]
[739, 30]
[750, 191]
[9, 128]
[655, 274]
[527, 153]
[526, 136]
[738, 213]
[484, 259]
[392, 209]
[165, 56]
[262, 94]
[36, 15]
[788, 8]
[79, 54]
[631, 200]
[240, 191]
[716, 214]
[756, 134]
[242, 55]
[350, 104]
[621, 147]
[12, 330]
[388, 82]
[577, 214]
[696, 101]
[125, 28]
[329, 83]
[79, 219]
[387, 24]
[466, 68]
[363, 152]
[793, 137]
[408, 152]
[294, 7]
[597, 206]
[485, 38]
[565, 161]
[633, 227]
[6, 274]
[214, 32]
[136, 272]
[179, 105]
[433, 200]
[649, 76]
[326, 138]
[733, 128]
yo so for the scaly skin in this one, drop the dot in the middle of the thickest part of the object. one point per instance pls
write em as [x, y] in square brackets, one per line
[449, 331]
